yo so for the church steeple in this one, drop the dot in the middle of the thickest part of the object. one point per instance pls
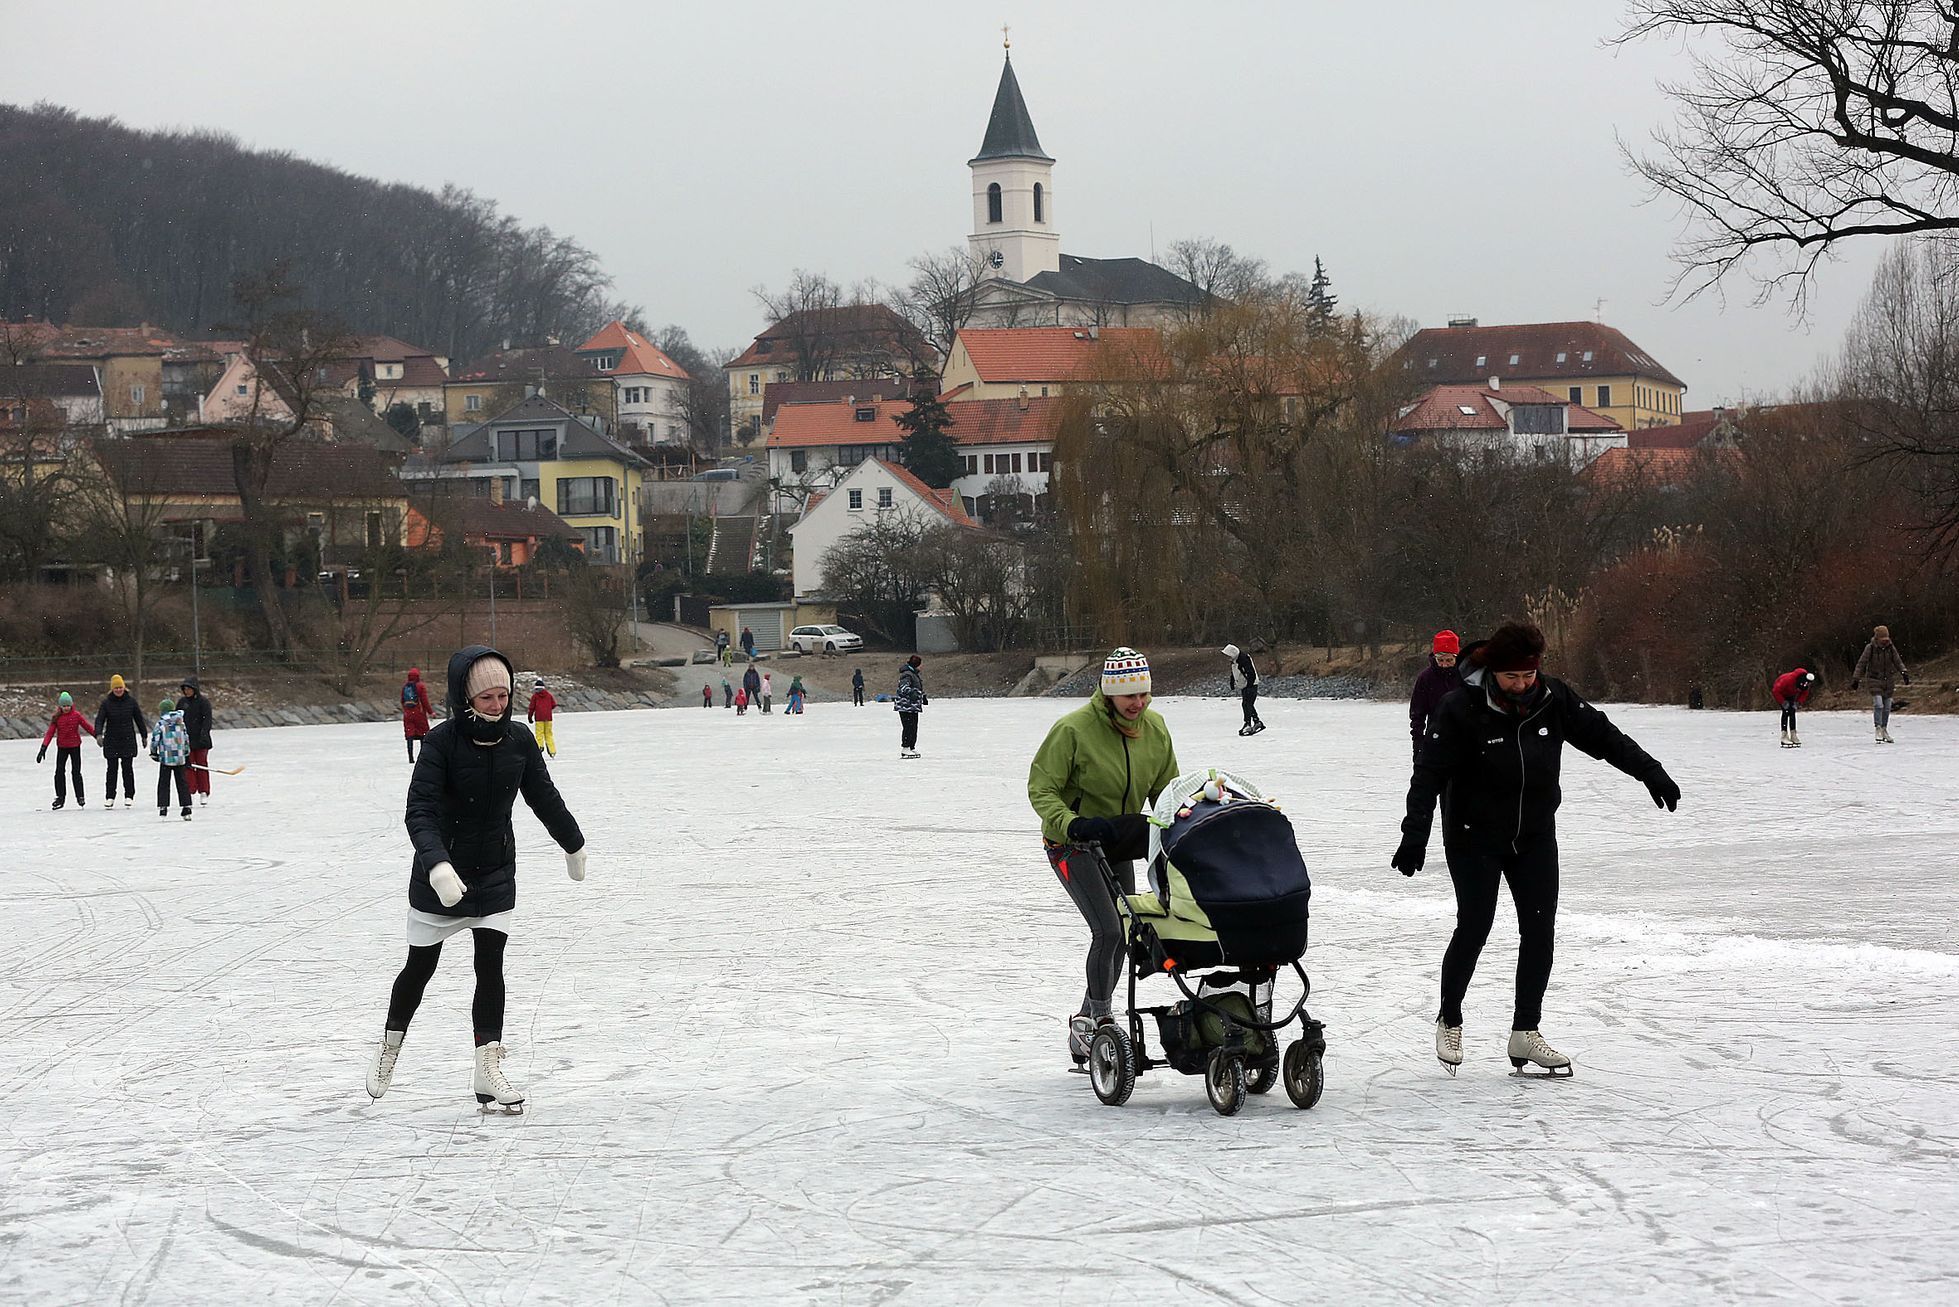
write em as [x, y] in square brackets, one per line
[1010, 129]
[1014, 235]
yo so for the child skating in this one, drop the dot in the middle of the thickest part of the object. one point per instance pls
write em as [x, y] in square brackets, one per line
[170, 751]
[1791, 691]
[707, 696]
[464, 876]
[541, 708]
[796, 694]
[66, 732]
[414, 710]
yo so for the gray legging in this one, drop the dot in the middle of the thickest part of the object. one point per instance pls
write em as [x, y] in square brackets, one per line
[1880, 708]
[1076, 870]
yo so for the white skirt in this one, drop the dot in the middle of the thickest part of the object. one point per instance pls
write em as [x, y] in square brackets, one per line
[426, 928]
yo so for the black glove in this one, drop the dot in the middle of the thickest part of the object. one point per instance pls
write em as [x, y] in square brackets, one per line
[1408, 859]
[1665, 793]
[1123, 839]
[42, 756]
[1091, 830]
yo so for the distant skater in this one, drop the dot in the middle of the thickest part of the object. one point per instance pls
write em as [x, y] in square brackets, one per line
[170, 750]
[542, 707]
[1434, 684]
[910, 701]
[1791, 691]
[197, 724]
[1883, 666]
[1244, 679]
[414, 710]
[857, 686]
[121, 731]
[796, 695]
[66, 732]
[768, 693]
[707, 696]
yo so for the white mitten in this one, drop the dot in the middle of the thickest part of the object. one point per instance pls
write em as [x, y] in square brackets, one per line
[448, 886]
[575, 864]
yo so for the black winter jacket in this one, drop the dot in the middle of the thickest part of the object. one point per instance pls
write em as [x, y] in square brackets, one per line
[197, 715]
[1431, 688]
[1496, 770]
[119, 726]
[459, 805]
[1244, 672]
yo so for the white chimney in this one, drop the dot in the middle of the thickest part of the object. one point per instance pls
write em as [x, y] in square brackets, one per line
[1496, 383]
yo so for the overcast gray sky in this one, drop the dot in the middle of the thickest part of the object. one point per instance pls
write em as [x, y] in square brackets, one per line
[1441, 157]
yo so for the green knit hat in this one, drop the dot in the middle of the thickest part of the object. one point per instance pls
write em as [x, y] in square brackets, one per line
[65, 699]
[168, 705]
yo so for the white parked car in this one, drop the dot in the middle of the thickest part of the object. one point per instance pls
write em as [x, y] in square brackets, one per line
[824, 639]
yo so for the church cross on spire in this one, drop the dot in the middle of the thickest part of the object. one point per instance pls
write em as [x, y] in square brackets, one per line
[1006, 42]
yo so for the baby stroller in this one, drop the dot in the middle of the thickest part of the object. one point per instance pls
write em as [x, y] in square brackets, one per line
[1227, 909]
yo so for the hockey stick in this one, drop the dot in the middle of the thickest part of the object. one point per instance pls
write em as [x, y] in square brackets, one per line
[222, 771]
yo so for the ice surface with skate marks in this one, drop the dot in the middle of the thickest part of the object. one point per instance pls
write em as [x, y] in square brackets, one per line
[799, 1036]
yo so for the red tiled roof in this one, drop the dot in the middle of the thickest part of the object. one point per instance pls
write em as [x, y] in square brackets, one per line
[484, 519]
[860, 328]
[637, 355]
[945, 500]
[1441, 409]
[199, 463]
[1537, 345]
[553, 362]
[1693, 428]
[778, 393]
[1034, 354]
[974, 422]
[100, 342]
[387, 349]
[1664, 467]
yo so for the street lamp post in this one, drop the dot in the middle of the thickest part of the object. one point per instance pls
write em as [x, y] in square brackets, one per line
[196, 631]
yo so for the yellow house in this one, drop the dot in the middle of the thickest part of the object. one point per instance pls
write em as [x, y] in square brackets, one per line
[1585, 363]
[538, 449]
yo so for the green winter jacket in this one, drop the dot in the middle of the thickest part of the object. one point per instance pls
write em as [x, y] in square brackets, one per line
[1088, 768]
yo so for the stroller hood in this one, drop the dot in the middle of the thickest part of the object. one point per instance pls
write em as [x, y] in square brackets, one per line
[1236, 857]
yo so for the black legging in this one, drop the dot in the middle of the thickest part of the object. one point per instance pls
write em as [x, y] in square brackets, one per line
[857, 695]
[164, 774]
[1788, 716]
[1250, 696]
[128, 766]
[1533, 876]
[486, 1010]
[1075, 868]
[72, 759]
[907, 730]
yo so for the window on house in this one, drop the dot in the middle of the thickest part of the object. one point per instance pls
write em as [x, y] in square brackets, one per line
[1561, 356]
[1574, 393]
[972, 465]
[993, 202]
[1586, 356]
[1482, 361]
[754, 383]
[989, 465]
[472, 403]
[605, 362]
[884, 496]
[1044, 392]
[1016, 466]
[136, 394]
[527, 446]
[1537, 419]
[243, 390]
[587, 497]
[1605, 397]
[1040, 214]
[856, 501]
[601, 542]
[1513, 360]
[1431, 362]
[376, 532]
[866, 415]
[798, 460]
[527, 490]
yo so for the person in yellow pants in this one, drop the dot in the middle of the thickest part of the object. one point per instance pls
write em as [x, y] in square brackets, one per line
[542, 706]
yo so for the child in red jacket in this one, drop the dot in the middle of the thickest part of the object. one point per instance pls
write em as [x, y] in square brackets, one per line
[539, 713]
[1791, 691]
[66, 732]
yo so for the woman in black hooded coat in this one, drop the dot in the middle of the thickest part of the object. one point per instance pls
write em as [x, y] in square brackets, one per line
[466, 782]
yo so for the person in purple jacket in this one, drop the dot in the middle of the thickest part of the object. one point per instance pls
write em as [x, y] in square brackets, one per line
[1435, 682]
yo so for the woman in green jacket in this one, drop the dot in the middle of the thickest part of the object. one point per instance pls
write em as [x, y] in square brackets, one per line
[1099, 767]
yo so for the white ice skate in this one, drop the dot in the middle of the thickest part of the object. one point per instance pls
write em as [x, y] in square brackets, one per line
[1884, 734]
[1788, 742]
[1795, 740]
[382, 1073]
[495, 1093]
[1448, 1046]
[1528, 1048]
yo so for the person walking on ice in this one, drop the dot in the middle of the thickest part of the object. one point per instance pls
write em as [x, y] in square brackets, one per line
[1244, 679]
[857, 686]
[415, 707]
[707, 696]
[1883, 666]
[910, 700]
[1434, 684]
[1791, 691]
[197, 723]
[122, 732]
[796, 695]
[66, 732]
[464, 874]
[768, 693]
[542, 706]
[1100, 766]
[170, 751]
[1491, 753]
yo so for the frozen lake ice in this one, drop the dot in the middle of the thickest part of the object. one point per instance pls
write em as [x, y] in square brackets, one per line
[798, 1039]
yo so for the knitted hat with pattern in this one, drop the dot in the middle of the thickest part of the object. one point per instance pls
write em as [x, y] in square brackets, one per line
[1125, 671]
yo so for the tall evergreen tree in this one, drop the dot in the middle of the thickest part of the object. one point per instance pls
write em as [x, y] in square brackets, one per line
[1322, 304]
[928, 452]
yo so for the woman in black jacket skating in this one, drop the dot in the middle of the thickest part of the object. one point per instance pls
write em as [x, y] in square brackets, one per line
[120, 730]
[473, 767]
[1491, 751]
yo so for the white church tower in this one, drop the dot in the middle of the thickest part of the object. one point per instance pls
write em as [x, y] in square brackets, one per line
[1013, 191]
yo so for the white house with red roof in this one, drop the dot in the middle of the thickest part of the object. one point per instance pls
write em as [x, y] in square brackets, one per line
[1038, 362]
[1007, 446]
[651, 389]
[1525, 420]
[874, 488]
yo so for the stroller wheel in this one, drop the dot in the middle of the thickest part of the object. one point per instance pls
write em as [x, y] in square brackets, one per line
[1224, 1081]
[1305, 1076]
[1111, 1065]
[1263, 1076]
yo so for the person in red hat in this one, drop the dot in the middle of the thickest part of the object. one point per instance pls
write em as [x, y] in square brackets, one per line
[414, 710]
[1434, 684]
[1491, 752]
